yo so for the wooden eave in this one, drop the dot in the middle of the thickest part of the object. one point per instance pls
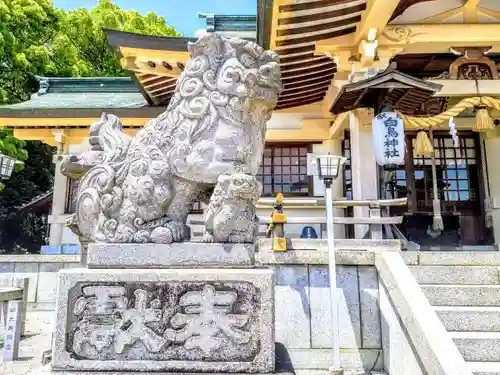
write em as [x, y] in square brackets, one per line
[74, 117]
[430, 65]
[156, 62]
[119, 39]
[395, 89]
[292, 30]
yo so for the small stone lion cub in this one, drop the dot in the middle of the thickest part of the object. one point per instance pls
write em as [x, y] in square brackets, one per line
[230, 215]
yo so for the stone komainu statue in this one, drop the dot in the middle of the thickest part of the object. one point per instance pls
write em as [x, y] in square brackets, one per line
[141, 189]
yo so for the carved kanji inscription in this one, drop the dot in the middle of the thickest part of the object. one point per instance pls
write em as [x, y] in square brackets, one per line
[210, 321]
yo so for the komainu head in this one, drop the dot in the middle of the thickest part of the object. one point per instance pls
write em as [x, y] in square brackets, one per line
[232, 72]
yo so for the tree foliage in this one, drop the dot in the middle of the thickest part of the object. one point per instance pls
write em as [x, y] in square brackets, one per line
[26, 232]
[37, 39]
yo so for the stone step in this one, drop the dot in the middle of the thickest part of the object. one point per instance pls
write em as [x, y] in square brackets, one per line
[462, 275]
[462, 295]
[469, 318]
[478, 346]
[484, 368]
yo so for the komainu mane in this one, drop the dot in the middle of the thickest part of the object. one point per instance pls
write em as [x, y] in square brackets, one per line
[141, 189]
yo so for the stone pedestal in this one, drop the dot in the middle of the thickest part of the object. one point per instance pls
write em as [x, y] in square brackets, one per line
[192, 320]
[182, 255]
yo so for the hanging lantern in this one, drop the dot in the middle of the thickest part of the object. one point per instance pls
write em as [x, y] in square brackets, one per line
[7, 166]
[389, 139]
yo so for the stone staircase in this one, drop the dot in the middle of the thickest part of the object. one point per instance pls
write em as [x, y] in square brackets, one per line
[467, 300]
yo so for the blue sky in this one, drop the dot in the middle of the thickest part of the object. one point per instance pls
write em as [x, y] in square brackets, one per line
[179, 13]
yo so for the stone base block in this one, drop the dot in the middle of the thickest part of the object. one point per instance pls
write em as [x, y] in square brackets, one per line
[178, 320]
[176, 255]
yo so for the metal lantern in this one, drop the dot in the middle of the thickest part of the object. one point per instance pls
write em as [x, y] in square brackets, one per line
[389, 139]
[7, 166]
[328, 166]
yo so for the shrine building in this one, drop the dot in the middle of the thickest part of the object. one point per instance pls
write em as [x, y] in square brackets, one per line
[435, 63]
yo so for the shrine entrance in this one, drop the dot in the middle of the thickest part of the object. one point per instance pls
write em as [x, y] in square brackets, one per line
[460, 188]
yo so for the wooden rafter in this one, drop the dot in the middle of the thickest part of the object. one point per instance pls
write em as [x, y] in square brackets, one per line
[440, 17]
[489, 12]
[470, 11]
[377, 15]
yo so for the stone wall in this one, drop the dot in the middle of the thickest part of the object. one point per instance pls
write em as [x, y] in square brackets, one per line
[303, 320]
[303, 324]
[41, 270]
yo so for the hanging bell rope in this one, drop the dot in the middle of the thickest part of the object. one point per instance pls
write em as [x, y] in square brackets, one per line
[423, 146]
[464, 104]
[484, 121]
[488, 213]
[437, 219]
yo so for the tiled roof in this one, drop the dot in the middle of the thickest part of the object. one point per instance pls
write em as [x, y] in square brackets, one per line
[94, 92]
[37, 201]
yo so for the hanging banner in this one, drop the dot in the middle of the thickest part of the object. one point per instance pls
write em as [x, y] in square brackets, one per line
[389, 138]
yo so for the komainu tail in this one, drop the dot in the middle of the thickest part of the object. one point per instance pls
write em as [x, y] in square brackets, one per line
[108, 144]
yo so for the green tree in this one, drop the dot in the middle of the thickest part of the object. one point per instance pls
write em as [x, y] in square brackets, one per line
[38, 39]
[21, 233]
[26, 28]
[83, 31]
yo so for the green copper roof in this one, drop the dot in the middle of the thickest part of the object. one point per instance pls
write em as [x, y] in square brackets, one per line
[243, 26]
[220, 22]
[93, 92]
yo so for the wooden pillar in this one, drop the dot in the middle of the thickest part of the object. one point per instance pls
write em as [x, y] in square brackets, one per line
[363, 165]
[59, 195]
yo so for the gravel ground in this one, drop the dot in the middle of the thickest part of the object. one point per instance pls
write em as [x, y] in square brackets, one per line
[39, 326]
[37, 340]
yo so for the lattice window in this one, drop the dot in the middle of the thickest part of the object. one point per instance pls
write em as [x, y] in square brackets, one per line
[284, 169]
[197, 208]
[397, 186]
[346, 152]
[455, 169]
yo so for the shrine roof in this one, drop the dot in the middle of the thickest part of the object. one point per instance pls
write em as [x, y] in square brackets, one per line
[91, 92]
[291, 30]
[393, 88]
[37, 203]
[81, 97]
[243, 26]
